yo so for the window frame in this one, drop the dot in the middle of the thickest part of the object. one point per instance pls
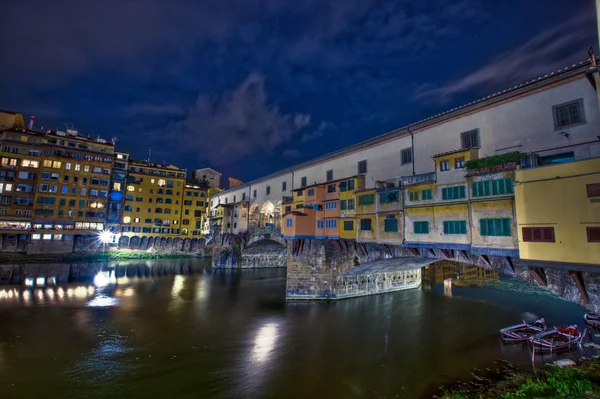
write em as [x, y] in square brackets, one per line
[582, 119]
[403, 151]
[528, 235]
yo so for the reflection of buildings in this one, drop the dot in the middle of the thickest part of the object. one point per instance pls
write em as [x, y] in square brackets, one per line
[437, 272]
[468, 273]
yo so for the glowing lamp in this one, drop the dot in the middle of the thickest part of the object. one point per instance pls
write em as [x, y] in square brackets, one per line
[106, 237]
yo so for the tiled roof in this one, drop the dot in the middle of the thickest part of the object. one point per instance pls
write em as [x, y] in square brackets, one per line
[443, 154]
[362, 190]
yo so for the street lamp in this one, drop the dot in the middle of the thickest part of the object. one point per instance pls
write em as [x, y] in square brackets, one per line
[106, 237]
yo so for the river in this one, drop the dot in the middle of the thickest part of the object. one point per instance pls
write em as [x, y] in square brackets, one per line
[231, 334]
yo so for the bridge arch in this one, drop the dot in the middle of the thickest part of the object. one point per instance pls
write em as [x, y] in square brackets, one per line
[254, 217]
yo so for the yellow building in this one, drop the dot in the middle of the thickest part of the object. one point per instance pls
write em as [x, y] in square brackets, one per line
[73, 186]
[193, 210]
[389, 215]
[348, 188]
[558, 213]
[366, 215]
[153, 200]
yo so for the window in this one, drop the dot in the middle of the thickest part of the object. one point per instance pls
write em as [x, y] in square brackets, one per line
[331, 205]
[351, 185]
[331, 224]
[538, 234]
[390, 225]
[452, 193]
[310, 192]
[444, 166]
[343, 205]
[128, 208]
[469, 139]
[455, 227]
[254, 194]
[414, 195]
[348, 225]
[421, 227]
[283, 186]
[365, 224]
[127, 219]
[303, 182]
[268, 190]
[332, 188]
[567, 114]
[86, 168]
[388, 197]
[319, 224]
[426, 195]
[243, 196]
[593, 234]
[367, 199]
[459, 163]
[329, 175]
[486, 188]
[406, 156]
[593, 190]
[289, 222]
[351, 204]
[495, 227]
[362, 167]
[84, 190]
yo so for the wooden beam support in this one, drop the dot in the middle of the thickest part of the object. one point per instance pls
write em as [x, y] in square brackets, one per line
[539, 276]
[464, 254]
[509, 264]
[578, 279]
[485, 260]
[415, 251]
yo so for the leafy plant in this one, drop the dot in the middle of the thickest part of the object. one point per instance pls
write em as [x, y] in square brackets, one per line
[494, 161]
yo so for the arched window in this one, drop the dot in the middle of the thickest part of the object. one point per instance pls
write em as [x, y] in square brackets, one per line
[167, 210]
[166, 222]
[169, 183]
[130, 188]
[168, 201]
[162, 182]
[169, 192]
[127, 219]
[158, 210]
[159, 200]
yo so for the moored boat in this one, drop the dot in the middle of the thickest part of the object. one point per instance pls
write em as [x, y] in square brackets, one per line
[592, 320]
[523, 331]
[557, 339]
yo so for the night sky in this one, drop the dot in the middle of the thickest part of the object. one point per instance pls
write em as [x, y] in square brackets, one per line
[249, 87]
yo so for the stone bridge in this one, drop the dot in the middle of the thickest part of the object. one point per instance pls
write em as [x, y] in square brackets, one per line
[336, 269]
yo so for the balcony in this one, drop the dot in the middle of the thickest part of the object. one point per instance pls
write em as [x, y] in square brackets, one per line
[498, 163]
[418, 179]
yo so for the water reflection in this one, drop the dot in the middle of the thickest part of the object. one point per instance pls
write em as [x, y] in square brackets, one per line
[264, 342]
[456, 273]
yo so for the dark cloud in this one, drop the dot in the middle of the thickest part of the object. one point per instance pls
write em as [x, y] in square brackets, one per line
[550, 50]
[224, 129]
[319, 131]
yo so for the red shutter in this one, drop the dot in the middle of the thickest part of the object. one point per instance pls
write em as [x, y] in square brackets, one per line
[593, 190]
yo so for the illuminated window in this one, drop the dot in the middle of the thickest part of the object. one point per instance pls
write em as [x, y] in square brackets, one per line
[127, 219]
[56, 164]
[162, 182]
[152, 181]
[77, 167]
[116, 186]
[130, 188]
[47, 236]
[86, 168]
[136, 220]
[47, 163]
[68, 166]
[36, 236]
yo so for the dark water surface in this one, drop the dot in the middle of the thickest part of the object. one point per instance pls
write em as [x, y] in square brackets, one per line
[231, 334]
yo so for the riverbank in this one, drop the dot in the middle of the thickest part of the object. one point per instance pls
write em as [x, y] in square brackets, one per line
[508, 382]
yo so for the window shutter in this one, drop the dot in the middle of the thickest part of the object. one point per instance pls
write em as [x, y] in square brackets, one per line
[506, 227]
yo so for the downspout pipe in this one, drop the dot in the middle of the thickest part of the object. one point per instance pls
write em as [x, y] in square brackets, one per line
[412, 147]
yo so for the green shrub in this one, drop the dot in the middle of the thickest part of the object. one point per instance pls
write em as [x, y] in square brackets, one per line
[493, 161]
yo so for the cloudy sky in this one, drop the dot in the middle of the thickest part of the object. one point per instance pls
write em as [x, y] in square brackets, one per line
[250, 86]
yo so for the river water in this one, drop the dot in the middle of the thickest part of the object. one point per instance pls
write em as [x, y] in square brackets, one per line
[231, 334]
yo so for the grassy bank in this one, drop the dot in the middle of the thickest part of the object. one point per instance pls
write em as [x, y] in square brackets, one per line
[552, 382]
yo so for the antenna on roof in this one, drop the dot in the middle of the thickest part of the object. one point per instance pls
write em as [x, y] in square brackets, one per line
[149, 153]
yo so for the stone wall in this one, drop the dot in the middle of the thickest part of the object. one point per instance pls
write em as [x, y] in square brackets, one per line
[265, 253]
[50, 247]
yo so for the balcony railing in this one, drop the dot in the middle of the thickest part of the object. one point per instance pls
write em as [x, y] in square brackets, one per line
[418, 179]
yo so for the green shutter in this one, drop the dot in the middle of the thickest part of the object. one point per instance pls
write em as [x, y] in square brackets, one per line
[391, 225]
[462, 192]
[348, 225]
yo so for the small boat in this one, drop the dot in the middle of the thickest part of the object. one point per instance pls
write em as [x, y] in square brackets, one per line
[523, 331]
[557, 339]
[592, 320]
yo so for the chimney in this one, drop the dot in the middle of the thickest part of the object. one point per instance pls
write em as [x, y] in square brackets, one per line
[31, 120]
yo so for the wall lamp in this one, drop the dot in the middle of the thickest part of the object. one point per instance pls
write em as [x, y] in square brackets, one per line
[564, 134]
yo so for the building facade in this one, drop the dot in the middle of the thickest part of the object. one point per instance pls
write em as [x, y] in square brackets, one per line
[441, 204]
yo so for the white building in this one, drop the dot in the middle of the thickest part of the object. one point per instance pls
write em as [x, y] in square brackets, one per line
[555, 117]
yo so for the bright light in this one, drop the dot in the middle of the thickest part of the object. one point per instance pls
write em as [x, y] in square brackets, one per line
[40, 281]
[106, 237]
[102, 279]
[264, 342]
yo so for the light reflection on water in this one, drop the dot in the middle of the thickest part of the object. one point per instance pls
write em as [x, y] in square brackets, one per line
[232, 334]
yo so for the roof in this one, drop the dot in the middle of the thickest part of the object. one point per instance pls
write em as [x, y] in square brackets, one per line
[295, 213]
[443, 154]
[327, 183]
[364, 190]
[530, 85]
[2, 111]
